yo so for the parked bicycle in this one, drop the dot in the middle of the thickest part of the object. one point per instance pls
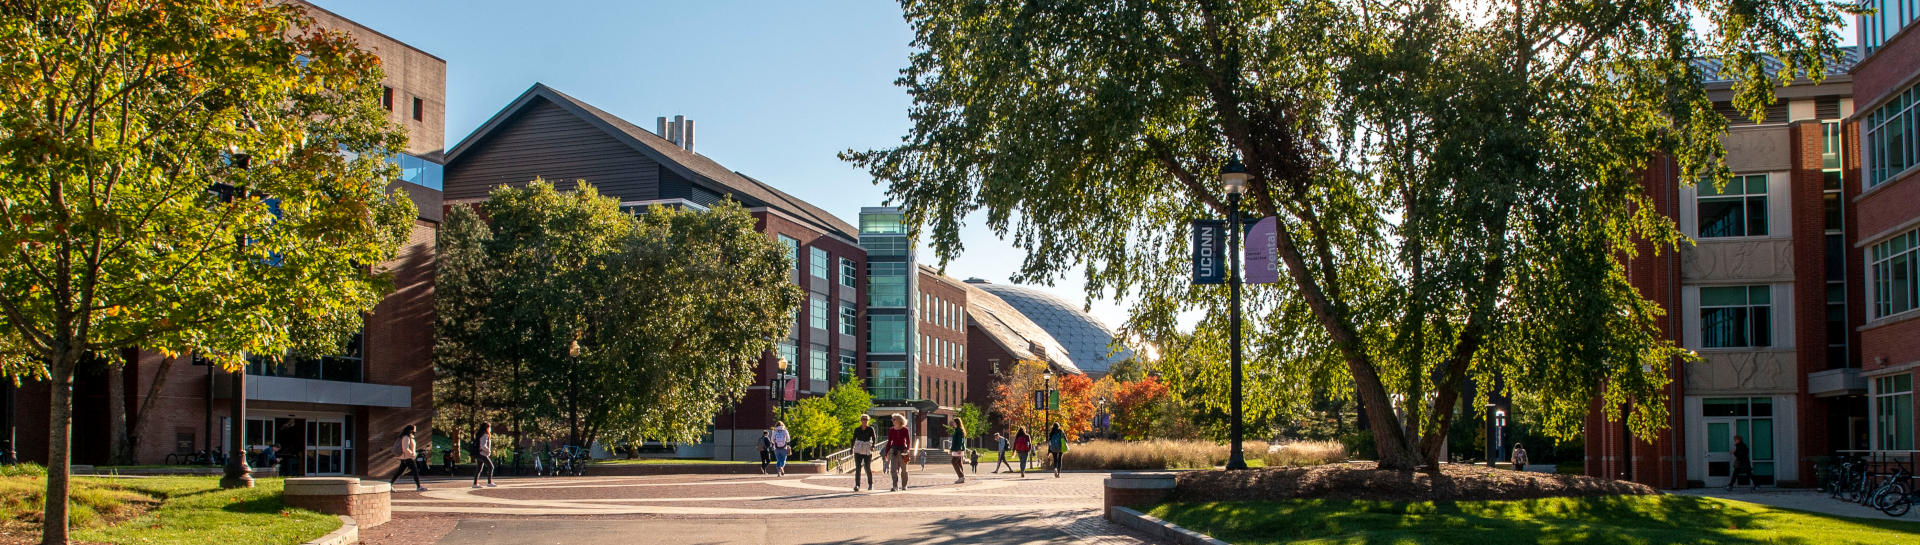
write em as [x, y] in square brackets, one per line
[1892, 488]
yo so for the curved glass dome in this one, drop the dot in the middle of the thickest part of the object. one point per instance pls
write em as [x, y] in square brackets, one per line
[1084, 337]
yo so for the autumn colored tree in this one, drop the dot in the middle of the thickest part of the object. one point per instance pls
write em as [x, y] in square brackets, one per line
[1136, 406]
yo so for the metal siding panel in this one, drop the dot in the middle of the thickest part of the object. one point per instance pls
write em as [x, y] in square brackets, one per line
[547, 142]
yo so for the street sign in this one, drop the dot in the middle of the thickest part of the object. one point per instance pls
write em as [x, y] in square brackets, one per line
[1209, 252]
[1262, 247]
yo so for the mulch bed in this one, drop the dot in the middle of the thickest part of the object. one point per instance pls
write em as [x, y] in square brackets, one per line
[1364, 481]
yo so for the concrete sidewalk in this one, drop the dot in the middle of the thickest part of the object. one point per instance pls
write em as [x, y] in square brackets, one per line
[1799, 499]
[1014, 529]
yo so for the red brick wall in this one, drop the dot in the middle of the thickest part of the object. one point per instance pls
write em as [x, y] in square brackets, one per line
[755, 411]
[985, 359]
[399, 343]
[1890, 68]
[1807, 218]
[1611, 453]
[954, 296]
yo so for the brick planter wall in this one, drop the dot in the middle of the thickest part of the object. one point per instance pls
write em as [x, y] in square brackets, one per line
[1137, 490]
[369, 504]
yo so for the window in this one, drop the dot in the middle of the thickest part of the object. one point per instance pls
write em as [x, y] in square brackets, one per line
[1736, 317]
[1890, 144]
[1837, 330]
[884, 246]
[849, 366]
[848, 319]
[419, 109]
[887, 379]
[817, 311]
[849, 273]
[817, 262]
[1737, 210]
[1893, 412]
[887, 284]
[793, 252]
[785, 351]
[886, 334]
[1830, 145]
[817, 367]
[1896, 274]
[343, 366]
[386, 97]
[1888, 17]
[881, 224]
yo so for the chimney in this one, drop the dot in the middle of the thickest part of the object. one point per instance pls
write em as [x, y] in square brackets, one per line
[687, 135]
[660, 125]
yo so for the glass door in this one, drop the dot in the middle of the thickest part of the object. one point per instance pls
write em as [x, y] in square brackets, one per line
[1749, 419]
[1719, 451]
[326, 447]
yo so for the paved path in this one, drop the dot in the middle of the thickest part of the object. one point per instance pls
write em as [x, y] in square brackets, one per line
[755, 509]
[1797, 498]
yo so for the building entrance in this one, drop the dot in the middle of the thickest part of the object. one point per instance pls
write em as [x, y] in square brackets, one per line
[1749, 418]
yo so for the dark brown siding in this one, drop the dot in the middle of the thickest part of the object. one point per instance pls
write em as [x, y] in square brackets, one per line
[547, 142]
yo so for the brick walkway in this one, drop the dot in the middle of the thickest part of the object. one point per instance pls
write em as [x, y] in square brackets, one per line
[755, 509]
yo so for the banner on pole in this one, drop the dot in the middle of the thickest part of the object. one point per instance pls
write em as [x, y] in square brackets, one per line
[1209, 252]
[1261, 248]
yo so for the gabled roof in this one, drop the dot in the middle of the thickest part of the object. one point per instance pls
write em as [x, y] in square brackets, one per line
[1085, 338]
[692, 166]
[1014, 332]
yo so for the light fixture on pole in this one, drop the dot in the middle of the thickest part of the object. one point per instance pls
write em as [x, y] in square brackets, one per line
[1489, 443]
[238, 474]
[1046, 394]
[1233, 178]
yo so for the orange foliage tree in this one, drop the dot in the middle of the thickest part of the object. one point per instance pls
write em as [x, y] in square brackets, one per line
[1136, 405]
[1013, 400]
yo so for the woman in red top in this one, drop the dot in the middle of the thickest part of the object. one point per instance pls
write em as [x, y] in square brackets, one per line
[897, 439]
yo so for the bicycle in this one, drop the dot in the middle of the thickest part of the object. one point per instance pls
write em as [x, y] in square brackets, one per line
[1894, 487]
[1896, 505]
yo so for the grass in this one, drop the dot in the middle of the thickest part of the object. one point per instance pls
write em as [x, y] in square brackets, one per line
[1600, 519]
[669, 461]
[165, 511]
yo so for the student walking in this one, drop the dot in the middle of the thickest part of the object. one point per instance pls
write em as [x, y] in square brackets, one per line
[1056, 447]
[404, 449]
[1742, 465]
[780, 443]
[1022, 444]
[959, 451]
[1000, 445]
[863, 452]
[766, 451]
[897, 440]
[1519, 457]
[483, 454]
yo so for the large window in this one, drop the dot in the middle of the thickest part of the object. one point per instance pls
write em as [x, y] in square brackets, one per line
[849, 273]
[1736, 317]
[1896, 274]
[1737, 210]
[817, 311]
[886, 334]
[887, 284]
[849, 366]
[1890, 143]
[346, 366]
[1885, 21]
[817, 367]
[793, 252]
[881, 224]
[888, 379]
[1893, 412]
[785, 351]
[817, 262]
[885, 246]
[848, 315]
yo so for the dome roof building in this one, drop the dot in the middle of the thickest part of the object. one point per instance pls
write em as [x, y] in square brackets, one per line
[1084, 337]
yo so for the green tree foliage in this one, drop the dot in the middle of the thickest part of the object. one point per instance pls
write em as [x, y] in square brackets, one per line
[116, 118]
[973, 420]
[814, 426]
[1456, 184]
[606, 324]
[850, 399]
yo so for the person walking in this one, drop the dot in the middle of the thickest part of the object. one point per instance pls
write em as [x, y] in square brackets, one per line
[897, 440]
[1000, 445]
[766, 451]
[1520, 457]
[1056, 447]
[404, 449]
[780, 440]
[1742, 465]
[959, 451]
[863, 452]
[1022, 444]
[483, 454]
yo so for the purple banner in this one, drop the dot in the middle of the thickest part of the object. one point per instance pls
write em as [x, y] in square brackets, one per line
[1261, 247]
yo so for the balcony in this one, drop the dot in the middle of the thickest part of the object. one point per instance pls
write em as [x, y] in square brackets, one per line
[1836, 382]
[418, 171]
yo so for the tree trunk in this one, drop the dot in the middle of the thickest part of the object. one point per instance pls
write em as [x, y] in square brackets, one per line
[118, 452]
[59, 434]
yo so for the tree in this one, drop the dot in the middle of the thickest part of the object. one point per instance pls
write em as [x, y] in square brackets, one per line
[1136, 406]
[116, 120]
[813, 424]
[1013, 399]
[1455, 186]
[605, 323]
[850, 400]
[973, 420]
[469, 387]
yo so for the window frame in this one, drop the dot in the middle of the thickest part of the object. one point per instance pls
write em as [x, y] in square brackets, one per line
[1746, 202]
[817, 260]
[1753, 323]
[817, 311]
[849, 319]
[1889, 397]
[1884, 261]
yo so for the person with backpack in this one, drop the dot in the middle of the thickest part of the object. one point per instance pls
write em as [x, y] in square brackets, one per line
[483, 454]
[898, 439]
[863, 452]
[405, 449]
[780, 442]
[1056, 447]
[959, 450]
[1000, 445]
[1022, 444]
[1519, 457]
[766, 451]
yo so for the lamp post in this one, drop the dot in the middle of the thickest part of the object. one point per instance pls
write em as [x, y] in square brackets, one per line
[1489, 442]
[1046, 395]
[1234, 178]
[1499, 429]
[780, 379]
[238, 474]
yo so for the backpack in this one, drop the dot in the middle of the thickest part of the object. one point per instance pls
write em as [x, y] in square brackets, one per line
[1020, 444]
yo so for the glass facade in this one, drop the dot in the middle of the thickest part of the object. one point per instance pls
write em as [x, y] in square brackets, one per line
[886, 334]
[418, 171]
[887, 284]
[1890, 144]
[347, 366]
[1895, 269]
[1893, 412]
[1885, 21]
[888, 379]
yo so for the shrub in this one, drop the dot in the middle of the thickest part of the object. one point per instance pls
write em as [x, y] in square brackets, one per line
[1153, 454]
[1304, 453]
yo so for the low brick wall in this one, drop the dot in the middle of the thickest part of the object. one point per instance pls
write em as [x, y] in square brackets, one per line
[1137, 490]
[369, 504]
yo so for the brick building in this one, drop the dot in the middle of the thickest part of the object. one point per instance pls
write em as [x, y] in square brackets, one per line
[1764, 296]
[547, 134]
[327, 411]
[1885, 213]
[941, 348]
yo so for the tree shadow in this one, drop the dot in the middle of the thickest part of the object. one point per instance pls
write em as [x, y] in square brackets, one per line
[983, 528]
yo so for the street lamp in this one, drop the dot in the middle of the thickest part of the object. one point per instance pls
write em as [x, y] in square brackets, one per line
[1234, 178]
[1489, 442]
[238, 474]
[779, 396]
[1046, 394]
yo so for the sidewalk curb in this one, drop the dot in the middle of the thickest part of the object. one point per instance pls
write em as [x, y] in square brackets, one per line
[347, 534]
[1127, 516]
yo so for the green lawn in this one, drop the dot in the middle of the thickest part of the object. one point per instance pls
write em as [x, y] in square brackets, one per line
[190, 511]
[1614, 519]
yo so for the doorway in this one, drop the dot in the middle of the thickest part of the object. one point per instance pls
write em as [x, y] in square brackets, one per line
[326, 448]
[1751, 419]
